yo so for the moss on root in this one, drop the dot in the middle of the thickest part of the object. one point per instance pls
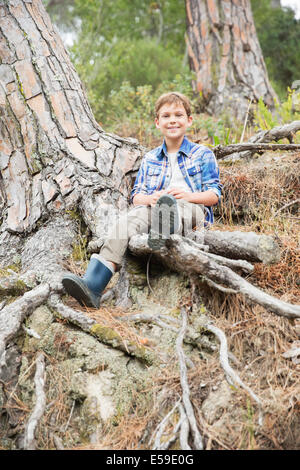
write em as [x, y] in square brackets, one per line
[110, 337]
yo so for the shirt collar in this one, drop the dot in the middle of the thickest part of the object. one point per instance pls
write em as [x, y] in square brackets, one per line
[184, 148]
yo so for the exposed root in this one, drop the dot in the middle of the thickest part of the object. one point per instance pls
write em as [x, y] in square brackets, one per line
[13, 315]
[182, 256]
[188, 408]
[40, 403]
[232, 377]
[105, 334]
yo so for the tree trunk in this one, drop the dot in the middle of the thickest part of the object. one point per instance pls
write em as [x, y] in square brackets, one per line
[54, 156]
[225, 54]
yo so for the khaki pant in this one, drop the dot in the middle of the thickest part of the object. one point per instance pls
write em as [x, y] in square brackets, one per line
[138, 220]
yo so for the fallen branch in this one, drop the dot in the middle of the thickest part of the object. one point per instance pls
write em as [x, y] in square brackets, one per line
[260, 142]
[183, 257]
[221, 151]
[239, 245]
[40, 403]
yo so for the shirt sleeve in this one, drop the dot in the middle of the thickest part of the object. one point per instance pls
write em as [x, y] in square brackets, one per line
[140, 181]
[210, 173]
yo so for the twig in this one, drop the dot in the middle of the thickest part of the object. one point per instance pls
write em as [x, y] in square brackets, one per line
[287, 205]
[230, 373]
[69, 419]
[245, 123]
[40, 403]
[197, 439]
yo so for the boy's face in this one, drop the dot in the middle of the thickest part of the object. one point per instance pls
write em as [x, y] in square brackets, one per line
[173, 121]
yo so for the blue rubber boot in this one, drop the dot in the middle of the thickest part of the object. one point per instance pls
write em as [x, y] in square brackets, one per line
[88, 289]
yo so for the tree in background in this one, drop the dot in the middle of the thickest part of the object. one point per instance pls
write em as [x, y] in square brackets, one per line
[124, 44]
[225, 54]
[137, 41]
[279, 35]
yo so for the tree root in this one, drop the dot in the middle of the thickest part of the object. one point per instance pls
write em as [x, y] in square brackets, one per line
[13, 315]
[183, 256]
[231, 375]
[40, 404]
[188, 408]
[187, 423]
[104, 334]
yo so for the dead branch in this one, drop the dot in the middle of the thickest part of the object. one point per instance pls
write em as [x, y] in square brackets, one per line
[183, 257]
[221, 152]
[13, 315]
[197, 439]
[239, 245]
[296, 201]
[40, 403]
[260, 142]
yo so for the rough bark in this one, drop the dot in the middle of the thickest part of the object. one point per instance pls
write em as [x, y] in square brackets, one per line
[225, 54]
[54, 156]
[243, 245]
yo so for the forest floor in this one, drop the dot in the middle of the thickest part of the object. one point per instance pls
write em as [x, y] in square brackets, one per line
[261, 196]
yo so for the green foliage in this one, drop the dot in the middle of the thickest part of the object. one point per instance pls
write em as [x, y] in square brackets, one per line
[135, 43]
[139, 63]
[284, 112]
[279, 36]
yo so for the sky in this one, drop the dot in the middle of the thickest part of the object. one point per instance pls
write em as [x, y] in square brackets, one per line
[295, 4]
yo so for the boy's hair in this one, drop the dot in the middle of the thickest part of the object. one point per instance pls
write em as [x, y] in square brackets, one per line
[173, 97]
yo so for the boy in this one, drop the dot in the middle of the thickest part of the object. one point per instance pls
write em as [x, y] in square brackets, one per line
[174, 183]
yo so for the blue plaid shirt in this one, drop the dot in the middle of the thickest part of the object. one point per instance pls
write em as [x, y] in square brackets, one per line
[198, 166]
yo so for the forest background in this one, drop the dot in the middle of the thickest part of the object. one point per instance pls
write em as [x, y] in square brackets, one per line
[128, 52]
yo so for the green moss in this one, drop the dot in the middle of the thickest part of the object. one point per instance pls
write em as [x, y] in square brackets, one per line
[112, 338]
[106, 334]
[20, 86]
[13, 288]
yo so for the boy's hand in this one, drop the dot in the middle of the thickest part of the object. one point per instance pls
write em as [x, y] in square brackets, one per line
[180, 194]
[155, 196]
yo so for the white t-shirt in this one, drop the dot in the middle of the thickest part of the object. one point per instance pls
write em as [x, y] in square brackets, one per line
[177, 180]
